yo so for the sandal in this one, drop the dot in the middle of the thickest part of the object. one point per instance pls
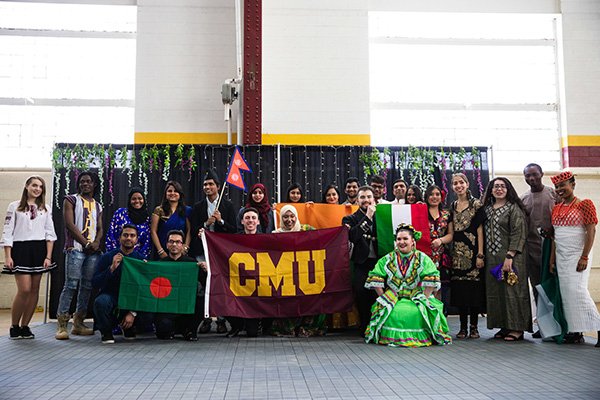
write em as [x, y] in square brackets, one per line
[512, 337]
[474, 333]
[461, 334]
[501, 334]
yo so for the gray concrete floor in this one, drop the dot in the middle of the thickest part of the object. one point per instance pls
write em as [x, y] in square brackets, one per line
[338, 366]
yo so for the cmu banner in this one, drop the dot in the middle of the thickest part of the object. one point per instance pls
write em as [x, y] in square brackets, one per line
[278, 275]
[319, 216]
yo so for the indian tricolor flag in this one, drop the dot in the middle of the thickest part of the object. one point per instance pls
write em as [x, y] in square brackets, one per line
[158, 287]
[389, 216]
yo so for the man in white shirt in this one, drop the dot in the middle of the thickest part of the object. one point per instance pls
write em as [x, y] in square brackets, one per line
[399, 190]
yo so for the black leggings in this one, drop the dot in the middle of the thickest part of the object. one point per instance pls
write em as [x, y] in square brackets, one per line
[465, 312]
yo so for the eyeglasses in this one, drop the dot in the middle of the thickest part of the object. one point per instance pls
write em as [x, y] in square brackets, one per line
[376, 186]
[174, 242]
[499, 186]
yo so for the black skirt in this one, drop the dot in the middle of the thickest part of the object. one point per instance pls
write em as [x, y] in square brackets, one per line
[28, 258]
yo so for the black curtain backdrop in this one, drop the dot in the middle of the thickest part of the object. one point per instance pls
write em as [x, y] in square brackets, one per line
[313, 167]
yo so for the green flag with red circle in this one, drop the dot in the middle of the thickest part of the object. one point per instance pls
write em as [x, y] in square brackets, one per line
[158, 287]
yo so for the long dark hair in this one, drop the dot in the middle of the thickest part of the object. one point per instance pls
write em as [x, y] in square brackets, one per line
[293, 186]
[417, 191]
[40, 201]
[511, 193]
[334, 187]
[166, 206]
[428, 193]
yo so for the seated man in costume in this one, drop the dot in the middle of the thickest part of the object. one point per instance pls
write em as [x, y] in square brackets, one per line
[405, 313]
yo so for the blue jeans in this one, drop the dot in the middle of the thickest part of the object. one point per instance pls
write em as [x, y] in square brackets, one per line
[106, 318]
[79, 271]
[104, 313]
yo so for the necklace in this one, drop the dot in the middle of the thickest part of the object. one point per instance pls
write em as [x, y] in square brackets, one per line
[564, 209]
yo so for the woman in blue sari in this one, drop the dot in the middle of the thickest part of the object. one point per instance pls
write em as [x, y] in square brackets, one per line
[172, 214]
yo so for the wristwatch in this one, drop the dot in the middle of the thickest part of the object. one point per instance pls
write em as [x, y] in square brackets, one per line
[133, 313]
[509, 257]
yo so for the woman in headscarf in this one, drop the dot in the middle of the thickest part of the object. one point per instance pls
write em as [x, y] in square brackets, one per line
[305, 326]
[136, 213]
[259, 200]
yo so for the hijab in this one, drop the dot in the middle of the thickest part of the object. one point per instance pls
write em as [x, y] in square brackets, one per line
[264, 207]
[137, 216]
[285, 209]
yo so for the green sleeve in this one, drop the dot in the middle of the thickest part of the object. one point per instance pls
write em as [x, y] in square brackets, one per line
[518, 229]
[429, 274]
[377, 276]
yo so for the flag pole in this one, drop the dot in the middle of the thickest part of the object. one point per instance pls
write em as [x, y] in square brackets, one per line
[220, 196]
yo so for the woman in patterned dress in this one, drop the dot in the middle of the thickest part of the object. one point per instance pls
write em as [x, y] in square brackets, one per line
[508, 306]
[136, 213]
[467, 280]
[405, 313]
[574, 221]
[441, 231]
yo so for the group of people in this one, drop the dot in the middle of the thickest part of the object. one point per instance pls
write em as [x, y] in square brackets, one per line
[484, 252]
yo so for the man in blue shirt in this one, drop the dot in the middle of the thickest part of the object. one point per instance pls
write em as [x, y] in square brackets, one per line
[107, 278]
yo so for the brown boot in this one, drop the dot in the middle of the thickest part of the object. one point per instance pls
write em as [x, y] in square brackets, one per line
[61, 331]
[79, 327]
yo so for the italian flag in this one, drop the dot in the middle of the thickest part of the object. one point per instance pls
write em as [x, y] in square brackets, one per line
[158, 287]
[387, 218]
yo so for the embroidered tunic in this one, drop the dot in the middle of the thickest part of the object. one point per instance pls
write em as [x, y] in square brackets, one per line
[508, 306]
[466, 282]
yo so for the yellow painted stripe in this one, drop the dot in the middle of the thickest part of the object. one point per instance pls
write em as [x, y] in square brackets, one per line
[312, 139]
[581, 140]
[308, 139]
[183, 137]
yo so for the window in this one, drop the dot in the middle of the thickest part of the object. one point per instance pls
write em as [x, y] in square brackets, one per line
[467, 80]
[67, 74]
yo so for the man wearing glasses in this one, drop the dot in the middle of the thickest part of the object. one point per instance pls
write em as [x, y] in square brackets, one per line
[377, 182]
[168, 324]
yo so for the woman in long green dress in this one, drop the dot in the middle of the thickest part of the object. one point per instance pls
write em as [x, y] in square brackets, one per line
[405, 313]
[506, 230]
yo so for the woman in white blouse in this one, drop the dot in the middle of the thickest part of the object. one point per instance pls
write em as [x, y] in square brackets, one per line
[28, 240]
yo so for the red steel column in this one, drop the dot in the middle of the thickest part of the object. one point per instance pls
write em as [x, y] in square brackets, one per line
[252, 94]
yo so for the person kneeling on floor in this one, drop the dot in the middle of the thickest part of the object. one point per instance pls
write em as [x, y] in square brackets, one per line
[167, 325]
[107, 278]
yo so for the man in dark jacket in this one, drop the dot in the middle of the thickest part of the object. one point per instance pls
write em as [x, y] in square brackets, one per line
[206, 215]
[167, 324]
[107, 278]
[364, 254]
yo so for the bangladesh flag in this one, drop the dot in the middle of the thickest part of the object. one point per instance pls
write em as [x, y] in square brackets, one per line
[387, 218]
[156, 286]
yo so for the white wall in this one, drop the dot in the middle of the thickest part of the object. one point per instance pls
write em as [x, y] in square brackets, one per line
[185, 50]
[581, 42]
[315, 68]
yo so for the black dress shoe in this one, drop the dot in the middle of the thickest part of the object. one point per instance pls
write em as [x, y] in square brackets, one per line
[205, 325]
[537, 335]
[233, 333]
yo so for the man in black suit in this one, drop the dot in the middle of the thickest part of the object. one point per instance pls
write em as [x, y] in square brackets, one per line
[206, 215]
[362, 235]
